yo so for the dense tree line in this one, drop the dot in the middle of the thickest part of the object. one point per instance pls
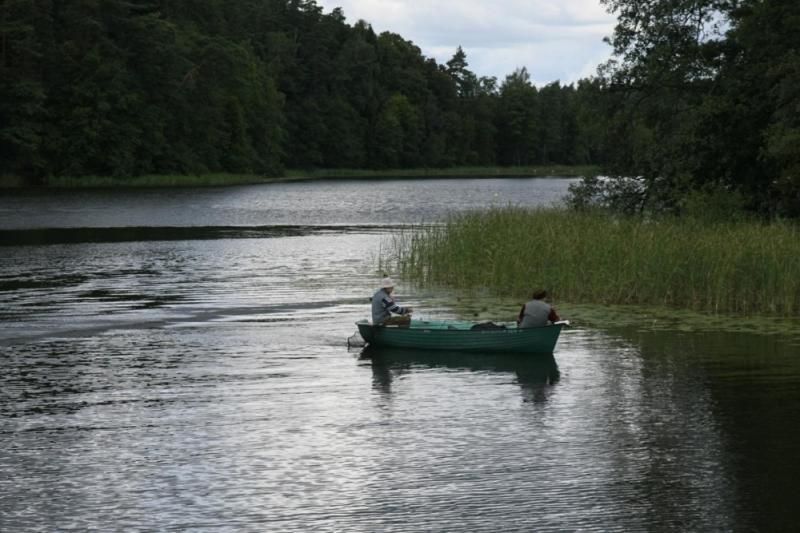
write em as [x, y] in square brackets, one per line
[704, 103]
[698, 110]
[129, 87]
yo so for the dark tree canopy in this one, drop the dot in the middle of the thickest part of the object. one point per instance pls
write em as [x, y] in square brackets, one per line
[128, 87]
[707, 105]
[699, 105]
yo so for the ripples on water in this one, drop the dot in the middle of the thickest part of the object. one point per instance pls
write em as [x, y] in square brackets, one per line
[303, 203]
[203, 382]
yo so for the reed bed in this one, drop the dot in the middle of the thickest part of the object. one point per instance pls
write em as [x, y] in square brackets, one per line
[744, 268]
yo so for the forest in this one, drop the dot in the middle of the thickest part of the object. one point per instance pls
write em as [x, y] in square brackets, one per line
[699, 108]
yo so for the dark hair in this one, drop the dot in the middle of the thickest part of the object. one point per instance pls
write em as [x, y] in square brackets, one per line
[541, 294]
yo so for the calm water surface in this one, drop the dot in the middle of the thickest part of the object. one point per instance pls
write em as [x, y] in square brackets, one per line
[177, 360]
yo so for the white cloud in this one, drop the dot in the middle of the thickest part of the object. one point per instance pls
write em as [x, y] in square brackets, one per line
[554, 40]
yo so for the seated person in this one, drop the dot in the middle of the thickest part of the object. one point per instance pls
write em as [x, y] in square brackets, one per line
[537, 312]
[383, 305]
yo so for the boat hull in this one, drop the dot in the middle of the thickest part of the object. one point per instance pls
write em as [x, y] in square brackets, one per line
[458, 336]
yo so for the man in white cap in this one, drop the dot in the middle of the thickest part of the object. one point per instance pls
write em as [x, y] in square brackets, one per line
[383, 305]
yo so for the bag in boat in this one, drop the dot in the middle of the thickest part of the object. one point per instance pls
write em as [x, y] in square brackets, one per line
[487, 325]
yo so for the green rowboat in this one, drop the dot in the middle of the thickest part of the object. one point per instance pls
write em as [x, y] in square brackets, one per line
[459, 336]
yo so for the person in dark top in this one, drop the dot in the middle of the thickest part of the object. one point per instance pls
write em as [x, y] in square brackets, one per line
[537, 312]
[383, 305]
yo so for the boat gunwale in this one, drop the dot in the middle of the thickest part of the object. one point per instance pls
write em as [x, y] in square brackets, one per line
[395, 327]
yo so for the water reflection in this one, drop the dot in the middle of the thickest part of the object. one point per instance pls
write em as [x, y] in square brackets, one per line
[737, 392]
[43, 236]
[142, 367]
[536, 375]
[312, 202]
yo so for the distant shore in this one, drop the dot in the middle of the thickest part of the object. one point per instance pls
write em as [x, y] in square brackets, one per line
[454, 172]
[224, 179]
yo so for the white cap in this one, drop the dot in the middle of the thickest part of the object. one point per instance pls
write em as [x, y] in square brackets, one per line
[387, 283]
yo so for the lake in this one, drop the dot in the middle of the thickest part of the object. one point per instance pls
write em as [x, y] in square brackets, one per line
[177, 359]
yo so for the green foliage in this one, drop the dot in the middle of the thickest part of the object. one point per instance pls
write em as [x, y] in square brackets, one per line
[698, 113]
[543, 126]
[728, 267]
[516, 119]
[712, 205]
[131, 88]
[623, 196]
[705, 98]
[23, 115]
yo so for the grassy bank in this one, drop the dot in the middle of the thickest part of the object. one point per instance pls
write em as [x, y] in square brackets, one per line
[744, 268]
[223, 179]
[155, 180]
[158, 180]
[455, 172]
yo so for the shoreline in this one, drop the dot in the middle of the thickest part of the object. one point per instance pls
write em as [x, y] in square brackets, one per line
[224, 179]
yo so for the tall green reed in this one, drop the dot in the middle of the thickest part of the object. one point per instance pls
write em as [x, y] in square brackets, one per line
[737, 267]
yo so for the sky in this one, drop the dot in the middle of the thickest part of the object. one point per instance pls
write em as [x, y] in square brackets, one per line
[554, 39]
